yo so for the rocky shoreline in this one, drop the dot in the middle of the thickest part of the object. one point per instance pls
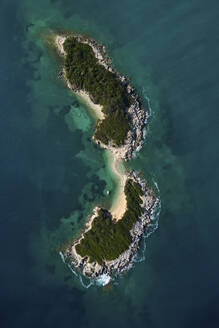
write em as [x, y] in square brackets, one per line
[125, 260]
[137, 114]
[138, 118]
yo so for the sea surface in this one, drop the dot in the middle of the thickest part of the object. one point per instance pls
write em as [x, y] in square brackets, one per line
[51, 174]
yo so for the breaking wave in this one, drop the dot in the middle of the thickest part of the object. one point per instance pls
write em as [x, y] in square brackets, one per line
[145, 96]
[149, 114]
[140, 256]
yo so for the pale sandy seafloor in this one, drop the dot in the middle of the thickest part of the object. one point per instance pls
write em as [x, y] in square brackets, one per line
[119, 206]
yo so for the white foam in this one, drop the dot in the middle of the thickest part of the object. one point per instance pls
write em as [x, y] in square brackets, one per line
[156, 185]
[103, 280]
[150, 112]
[62, 256]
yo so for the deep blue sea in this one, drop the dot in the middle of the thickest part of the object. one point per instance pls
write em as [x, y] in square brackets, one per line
[51, 174]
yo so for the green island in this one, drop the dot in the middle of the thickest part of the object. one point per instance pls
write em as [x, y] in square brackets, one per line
[85, 73]
[106, 239]
[111, 238]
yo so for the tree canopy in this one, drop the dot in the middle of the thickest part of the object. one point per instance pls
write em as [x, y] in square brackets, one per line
[104, 87]
[106, 240]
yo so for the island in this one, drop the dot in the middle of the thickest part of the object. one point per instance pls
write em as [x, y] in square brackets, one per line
[110, 240]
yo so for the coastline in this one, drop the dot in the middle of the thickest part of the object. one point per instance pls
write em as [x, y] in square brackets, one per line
[97, 109]
[59, 41]
[119, 204]
[138, 115]
[118, 207]
[132, 144]
[110, 268]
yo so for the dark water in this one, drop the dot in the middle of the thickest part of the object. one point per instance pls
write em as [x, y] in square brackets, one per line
[51, 174]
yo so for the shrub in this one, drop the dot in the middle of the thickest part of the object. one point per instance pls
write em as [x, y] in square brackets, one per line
[106, 240]
[85, 73]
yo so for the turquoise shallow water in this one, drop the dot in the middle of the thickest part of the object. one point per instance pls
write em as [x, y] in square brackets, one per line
[52, 175]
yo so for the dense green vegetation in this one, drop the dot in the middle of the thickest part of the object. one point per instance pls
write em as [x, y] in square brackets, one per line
[106, 239]
[104, 88]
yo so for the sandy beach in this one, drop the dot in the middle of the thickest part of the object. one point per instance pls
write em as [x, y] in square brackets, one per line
[119, 206]
[97, 109]
[59, 40]
[115, 158]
